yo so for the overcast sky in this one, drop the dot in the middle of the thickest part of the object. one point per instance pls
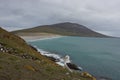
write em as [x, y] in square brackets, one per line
[100, 15]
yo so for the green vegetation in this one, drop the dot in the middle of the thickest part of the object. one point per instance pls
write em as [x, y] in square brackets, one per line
[67, 29]
[19, 61]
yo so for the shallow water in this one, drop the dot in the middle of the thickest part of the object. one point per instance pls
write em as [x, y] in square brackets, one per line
[98, 56]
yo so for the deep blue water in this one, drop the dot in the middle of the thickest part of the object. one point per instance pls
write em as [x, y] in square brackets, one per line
[98, 56]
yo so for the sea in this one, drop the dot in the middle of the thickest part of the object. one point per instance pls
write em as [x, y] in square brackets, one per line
[98, 56]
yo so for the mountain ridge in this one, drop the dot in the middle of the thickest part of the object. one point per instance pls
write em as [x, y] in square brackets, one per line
[66, 28]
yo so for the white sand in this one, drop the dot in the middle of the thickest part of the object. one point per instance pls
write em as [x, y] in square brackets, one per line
[37, 36]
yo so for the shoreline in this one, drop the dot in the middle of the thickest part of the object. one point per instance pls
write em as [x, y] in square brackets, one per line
[57, 58]
[30, 38]
[35, 38]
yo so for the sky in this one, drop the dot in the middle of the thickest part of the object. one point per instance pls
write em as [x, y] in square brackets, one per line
[100, 15]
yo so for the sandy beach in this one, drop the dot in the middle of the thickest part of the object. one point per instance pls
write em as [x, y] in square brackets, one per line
[37, 36]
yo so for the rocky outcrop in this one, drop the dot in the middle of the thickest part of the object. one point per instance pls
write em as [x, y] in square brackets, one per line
[13, 51]
[5, 49]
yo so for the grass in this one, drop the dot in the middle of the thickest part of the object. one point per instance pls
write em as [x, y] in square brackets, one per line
[14, 67]
[26, 69]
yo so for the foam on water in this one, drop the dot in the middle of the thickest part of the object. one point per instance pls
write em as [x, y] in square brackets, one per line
[48, 54]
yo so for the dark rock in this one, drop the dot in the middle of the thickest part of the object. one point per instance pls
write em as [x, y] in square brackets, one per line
[73, 66]
[52, 59]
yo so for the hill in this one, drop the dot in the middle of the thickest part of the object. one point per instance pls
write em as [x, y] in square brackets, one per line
[67, 29]
[20, 61]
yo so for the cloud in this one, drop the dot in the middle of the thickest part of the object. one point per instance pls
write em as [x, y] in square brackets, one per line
[99, 15]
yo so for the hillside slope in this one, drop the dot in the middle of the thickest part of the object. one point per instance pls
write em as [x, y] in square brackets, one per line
[68, 29]
[19, 61]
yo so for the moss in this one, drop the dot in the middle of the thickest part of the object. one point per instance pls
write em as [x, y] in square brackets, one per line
[1, 67]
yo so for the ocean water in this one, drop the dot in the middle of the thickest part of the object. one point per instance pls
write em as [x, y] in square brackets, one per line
[98, 56]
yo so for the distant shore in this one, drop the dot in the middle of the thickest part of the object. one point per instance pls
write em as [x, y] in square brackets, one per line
[37, 36]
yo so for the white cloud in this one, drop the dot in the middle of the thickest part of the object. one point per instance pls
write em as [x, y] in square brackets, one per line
[99, 15]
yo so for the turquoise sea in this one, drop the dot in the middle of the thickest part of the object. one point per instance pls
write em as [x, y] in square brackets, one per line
[98, 56]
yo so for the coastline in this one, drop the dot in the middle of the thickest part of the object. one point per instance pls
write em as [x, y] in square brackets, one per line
[31, 38]
[37, 36]
[58, 59]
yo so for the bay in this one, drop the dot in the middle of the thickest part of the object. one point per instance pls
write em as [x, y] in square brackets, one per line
[98, 56]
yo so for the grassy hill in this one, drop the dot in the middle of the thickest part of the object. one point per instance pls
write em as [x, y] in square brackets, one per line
[19, 61]
[69, 29]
